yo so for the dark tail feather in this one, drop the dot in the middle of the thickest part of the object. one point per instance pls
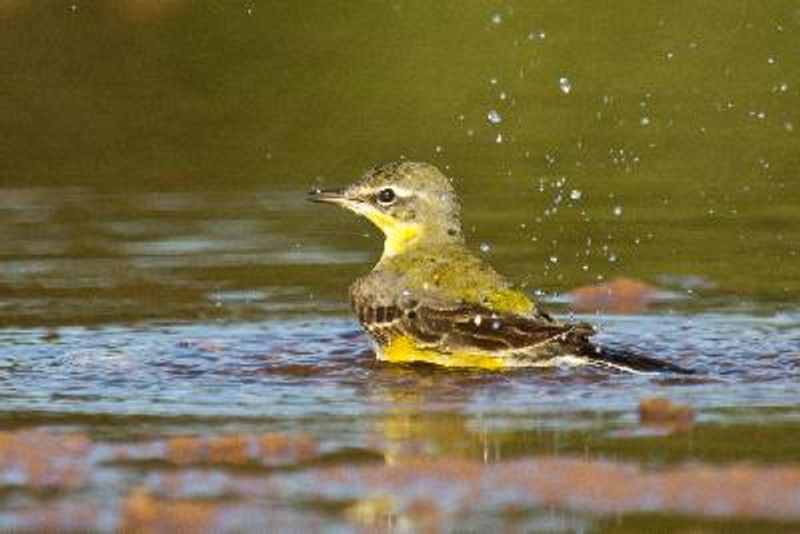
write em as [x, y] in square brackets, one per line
[631, 361]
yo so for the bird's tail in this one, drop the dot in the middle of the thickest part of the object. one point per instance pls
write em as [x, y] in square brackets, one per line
[631, 361]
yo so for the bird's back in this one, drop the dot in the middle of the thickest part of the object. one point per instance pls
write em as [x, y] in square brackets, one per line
[450, 272]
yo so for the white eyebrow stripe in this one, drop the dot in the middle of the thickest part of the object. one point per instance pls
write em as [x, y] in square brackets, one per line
[403, 192]
[400, 191]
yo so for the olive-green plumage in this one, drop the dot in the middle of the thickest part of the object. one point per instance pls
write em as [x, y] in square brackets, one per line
[430, 299]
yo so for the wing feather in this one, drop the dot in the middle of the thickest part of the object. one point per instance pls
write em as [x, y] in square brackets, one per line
[466, 326]
[474, 326]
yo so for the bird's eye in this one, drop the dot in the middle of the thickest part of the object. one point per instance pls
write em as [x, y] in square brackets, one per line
[386, 196]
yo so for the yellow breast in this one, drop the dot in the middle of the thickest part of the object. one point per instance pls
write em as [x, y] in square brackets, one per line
[404, 350]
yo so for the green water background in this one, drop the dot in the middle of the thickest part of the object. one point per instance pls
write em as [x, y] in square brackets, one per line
[679, 130]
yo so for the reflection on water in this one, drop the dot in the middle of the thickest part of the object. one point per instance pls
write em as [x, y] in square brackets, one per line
[198, 425]
[273, 481]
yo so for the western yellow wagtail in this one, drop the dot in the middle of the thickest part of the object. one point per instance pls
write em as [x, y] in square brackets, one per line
[429, 299]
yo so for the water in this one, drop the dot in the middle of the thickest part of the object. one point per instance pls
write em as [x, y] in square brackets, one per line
[132, 319]
[176, 347]
[288, 370]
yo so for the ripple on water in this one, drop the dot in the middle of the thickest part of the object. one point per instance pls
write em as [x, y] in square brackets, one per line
[322, 367]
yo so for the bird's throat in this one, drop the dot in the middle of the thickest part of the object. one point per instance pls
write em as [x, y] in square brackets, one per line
[400, 237]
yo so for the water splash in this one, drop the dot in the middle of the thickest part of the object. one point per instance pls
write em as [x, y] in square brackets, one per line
[494, 117]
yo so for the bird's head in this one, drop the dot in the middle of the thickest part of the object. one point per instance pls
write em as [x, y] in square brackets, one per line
[411, 202]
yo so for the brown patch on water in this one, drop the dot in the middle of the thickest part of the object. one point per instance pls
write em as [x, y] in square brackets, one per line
[622, 295]
[144, 512]
[595, 486]
[215, 484]
[271, 449]
[40, 461]
[661, 412]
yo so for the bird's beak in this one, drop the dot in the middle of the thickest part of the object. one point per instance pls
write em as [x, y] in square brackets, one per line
[327, 196]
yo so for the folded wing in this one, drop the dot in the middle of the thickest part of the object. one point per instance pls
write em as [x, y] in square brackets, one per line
[467, 326]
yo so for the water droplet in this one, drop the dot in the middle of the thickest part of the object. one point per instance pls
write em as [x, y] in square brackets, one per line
[438, 149]
[612, 258]
[485, 247]
[494, 117]
[617, 211]
[553, 259]
[499, 138]
[477, 320]
[497, 18]
[575, 194]
[496, 324]
[644, 121]
[771, 60]
[565, 85]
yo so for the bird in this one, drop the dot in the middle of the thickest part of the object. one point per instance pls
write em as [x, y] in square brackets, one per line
[431, 300]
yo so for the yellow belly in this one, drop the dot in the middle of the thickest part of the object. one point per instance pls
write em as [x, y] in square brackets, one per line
[404, 350]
